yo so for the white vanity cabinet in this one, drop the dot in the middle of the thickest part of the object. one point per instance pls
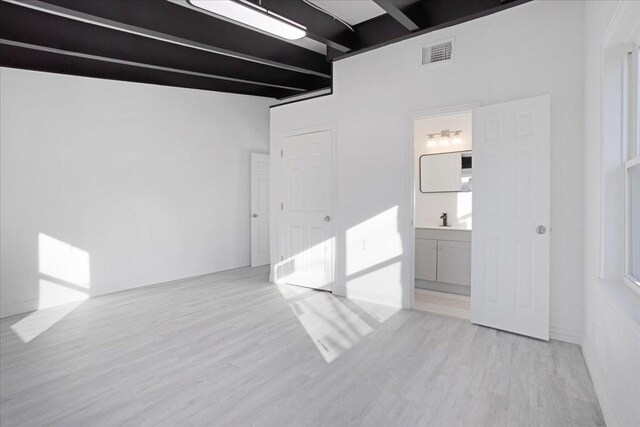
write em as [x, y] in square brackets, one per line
[443, 259]
[454, 262]
[427, 254]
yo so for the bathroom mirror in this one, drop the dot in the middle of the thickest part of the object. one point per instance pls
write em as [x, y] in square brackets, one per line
[446, 172]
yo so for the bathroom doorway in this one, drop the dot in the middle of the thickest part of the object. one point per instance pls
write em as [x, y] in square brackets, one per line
[443, 191]
[504, 263]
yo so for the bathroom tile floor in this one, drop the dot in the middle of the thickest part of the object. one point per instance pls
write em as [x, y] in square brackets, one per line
[445, 304]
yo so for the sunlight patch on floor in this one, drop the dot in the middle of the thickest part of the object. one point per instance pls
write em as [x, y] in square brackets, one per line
[333, 327]
[39, 321]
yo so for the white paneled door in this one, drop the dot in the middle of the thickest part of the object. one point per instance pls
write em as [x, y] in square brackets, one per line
[259, 209]
[510, 243]
[305, 235]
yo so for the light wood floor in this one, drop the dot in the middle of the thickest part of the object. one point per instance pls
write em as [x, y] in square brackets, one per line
[443, 303]
[231, 349]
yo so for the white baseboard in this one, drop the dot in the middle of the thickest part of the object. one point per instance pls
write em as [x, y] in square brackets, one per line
[8, 310]
[608, 411]
[21, 307]
[566, 335]
[156, 280]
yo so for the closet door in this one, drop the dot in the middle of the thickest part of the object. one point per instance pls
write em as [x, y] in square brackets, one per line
[306, 230]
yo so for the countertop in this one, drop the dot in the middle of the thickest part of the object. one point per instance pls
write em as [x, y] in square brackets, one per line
[453, 227]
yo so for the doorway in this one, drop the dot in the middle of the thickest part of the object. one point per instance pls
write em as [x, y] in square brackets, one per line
[443, 183]
[510, 241]
[259, 209]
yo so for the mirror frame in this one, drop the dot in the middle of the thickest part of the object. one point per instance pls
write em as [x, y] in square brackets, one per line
[436, 154]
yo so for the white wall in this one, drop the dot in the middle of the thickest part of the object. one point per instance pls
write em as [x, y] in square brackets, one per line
[533, 49]
[152, 182]
[611, 340]
[429, 206]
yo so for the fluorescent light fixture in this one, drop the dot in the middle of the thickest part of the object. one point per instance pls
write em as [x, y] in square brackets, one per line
[254, 16]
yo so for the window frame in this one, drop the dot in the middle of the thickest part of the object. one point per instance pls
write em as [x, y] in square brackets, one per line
[631, 146]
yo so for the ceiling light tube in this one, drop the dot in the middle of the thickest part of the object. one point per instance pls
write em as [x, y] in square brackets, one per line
[253, 16]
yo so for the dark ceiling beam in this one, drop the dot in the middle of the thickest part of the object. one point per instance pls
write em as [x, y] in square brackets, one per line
[62, 34]
[138, 64]
[42, 60]
[430, 15]
[172, 23]
[320, 26]
[378, 31]
[397, 14]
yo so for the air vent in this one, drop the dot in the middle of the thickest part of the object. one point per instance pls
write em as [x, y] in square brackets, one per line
[438, 52]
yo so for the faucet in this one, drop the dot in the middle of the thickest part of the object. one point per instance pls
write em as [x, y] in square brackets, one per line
[443, 217]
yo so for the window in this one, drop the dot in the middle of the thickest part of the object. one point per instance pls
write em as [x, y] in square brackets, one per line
[632, 166]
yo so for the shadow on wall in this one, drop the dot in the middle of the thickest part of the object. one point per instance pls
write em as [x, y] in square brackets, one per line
[65, 279]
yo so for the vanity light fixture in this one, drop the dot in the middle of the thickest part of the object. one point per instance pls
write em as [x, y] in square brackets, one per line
[254, 16]
[457, 139]
[445, 137]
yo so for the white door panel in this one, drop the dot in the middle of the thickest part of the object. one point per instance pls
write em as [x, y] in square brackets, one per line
[306, 243]
[510, 259]
[259, 209]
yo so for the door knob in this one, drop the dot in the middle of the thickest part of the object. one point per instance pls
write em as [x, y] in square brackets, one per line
[255, 215]
[327, 218]
[541, 229]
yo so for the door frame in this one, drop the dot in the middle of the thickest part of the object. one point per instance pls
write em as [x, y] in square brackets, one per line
[253, 155]
[408, 291]
[276, 190]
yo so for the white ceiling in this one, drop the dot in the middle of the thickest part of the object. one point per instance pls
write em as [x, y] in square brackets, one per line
[351, 11]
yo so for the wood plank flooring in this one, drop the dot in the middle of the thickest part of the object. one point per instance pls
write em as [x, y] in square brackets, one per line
[230, 349]
[443, 303]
